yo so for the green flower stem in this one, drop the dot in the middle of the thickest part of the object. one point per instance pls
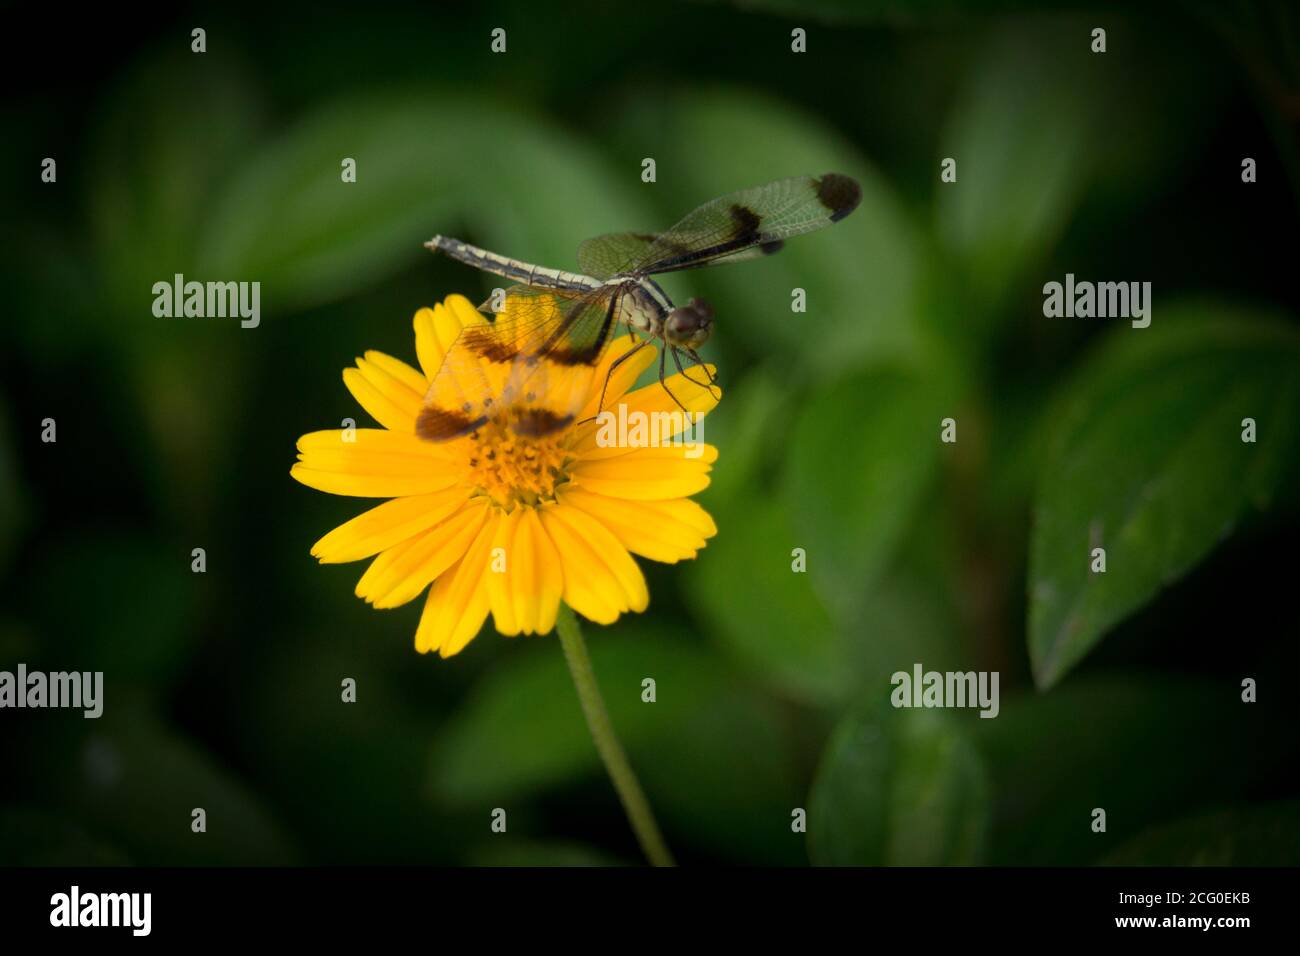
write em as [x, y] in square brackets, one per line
[611, 752]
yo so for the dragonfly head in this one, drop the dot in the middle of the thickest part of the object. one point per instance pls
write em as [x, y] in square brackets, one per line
[690, 325]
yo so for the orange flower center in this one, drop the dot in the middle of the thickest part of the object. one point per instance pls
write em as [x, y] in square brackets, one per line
[511, 469]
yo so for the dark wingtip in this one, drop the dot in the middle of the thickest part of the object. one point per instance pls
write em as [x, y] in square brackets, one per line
[840, 194]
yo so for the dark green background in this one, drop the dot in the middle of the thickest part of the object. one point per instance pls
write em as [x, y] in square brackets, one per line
[223, 688]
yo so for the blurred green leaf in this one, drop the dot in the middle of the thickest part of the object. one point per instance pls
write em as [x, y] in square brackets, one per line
[770, 617]
[522, 729]
[1267, 835]
[134, 781]
[1120, 744]
[1022, 138]
[545, 207]
[904, 618]
[725, 778]
[532, 853]
[32, 837]
[133, 612]
[848, 484]
[48, 271]
[424, 164]
[12, 494]
[1027, 133]
[861, 457]
[187, 450]
[289, 220]
[323, 760]
[1024, 134]
[751, 425]
[910, 13]
[860, 275]
[169, 133]
[710, 753]
[1147, 461]
[898, 787]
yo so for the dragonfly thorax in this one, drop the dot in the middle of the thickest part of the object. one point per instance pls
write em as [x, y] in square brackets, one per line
[642, 305]
[645, 307]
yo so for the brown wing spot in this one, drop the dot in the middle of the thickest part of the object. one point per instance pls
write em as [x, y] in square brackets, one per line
[746, 222]
[587, 355]
[839, 194]
[535, 422]
[481, 342]
[439, 424]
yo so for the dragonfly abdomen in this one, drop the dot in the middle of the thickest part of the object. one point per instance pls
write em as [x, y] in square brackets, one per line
[513, 269]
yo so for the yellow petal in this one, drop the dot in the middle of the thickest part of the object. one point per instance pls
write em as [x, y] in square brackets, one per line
[667, 531]
[463, 311]
[617, 436]
[435, 331]
[367, 486]
[648, 474]
[696, 397]
[539, 583]
[373, 441]
[386, 525]
[392, 415]
[601, 580]
[403, 571]
[658, 413]
[427, 349]
[458, 601]
[374, 464]
[624, 376]
[397, 370]
[387, 395]
[525, 596]
[500, 559]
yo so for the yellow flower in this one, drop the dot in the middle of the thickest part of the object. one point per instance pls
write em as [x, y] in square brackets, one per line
[564, 509]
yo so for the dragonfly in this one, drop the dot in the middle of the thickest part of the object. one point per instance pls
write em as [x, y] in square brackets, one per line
[515, 367]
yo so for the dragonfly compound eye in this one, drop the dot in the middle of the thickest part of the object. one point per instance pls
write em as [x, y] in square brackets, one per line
[690, 325]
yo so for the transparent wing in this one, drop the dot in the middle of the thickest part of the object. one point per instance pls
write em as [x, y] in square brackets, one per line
[608, 255]
[742, 225]
[529, 367]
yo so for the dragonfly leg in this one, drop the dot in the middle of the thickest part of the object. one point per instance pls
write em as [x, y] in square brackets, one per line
[663, 355]
[700, 362]
[709, 386]
[610, 374]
